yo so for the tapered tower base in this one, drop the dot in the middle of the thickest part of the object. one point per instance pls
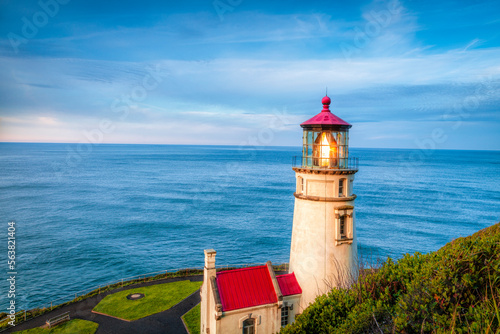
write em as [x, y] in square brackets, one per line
[323, 251]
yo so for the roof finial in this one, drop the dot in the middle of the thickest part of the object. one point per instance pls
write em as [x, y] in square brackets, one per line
[326, 94]
[326, 103]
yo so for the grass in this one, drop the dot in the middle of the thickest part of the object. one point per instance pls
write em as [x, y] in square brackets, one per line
[157, 298]
[35, 312]
[192, 320]
[75, 326]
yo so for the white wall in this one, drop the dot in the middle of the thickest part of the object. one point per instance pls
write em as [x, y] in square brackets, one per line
[317, 257]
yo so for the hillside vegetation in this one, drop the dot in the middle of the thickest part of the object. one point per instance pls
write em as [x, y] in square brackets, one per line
[453, 290]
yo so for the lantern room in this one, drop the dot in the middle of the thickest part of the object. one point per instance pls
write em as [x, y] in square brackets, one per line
[326, 141]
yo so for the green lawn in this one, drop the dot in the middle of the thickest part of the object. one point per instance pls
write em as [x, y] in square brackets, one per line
[157, 298]
[75, 326]
[192, 320]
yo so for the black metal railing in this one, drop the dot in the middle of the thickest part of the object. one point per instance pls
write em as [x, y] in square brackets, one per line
[350, 163]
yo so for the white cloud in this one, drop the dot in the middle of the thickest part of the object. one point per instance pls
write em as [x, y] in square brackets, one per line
[229, 96]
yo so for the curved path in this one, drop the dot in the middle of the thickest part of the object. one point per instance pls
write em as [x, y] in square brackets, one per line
[168, 321]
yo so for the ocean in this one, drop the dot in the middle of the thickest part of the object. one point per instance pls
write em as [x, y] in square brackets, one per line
[89, 215]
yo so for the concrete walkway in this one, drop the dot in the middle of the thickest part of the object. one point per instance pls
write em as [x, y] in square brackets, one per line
[168, 321]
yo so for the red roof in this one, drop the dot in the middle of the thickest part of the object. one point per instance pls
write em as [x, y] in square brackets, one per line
[247, 287]
[325, 117]
[288, 284]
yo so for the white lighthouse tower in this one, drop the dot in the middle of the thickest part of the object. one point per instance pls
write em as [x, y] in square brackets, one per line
[323, 252]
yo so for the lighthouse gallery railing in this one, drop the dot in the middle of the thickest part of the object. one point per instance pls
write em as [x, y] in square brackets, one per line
[350, 163]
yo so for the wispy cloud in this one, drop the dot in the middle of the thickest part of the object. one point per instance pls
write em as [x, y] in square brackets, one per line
[234, 75]
[474, 42]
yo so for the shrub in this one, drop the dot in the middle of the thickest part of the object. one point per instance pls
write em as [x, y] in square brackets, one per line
[455, 289]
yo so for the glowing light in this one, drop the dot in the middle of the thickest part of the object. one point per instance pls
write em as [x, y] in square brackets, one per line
[324, 150]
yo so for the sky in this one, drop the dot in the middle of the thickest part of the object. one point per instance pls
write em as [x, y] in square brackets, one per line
[406, 74]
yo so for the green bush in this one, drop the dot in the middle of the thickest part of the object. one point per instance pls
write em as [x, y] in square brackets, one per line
[453, 290]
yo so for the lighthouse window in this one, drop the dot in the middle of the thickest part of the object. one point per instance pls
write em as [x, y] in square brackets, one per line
[342, 227]
[249, 326]
[284, 316]
[341, 188]
[300, 185]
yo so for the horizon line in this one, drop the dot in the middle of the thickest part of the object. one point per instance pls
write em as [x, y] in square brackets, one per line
[257, 146]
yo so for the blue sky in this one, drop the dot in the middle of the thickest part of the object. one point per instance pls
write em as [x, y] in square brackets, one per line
[406, 74]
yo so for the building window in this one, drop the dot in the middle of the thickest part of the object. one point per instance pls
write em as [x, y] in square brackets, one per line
[249, 326]
[302, 185]
[284, 316]
[341, 187]
[342, 227]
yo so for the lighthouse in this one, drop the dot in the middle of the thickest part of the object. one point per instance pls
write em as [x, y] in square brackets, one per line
[323, 251]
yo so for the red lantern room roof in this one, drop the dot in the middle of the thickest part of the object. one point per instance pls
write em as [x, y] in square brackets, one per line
[325, 118]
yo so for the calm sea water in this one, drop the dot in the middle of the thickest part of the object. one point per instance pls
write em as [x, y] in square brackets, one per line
[122, 210]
